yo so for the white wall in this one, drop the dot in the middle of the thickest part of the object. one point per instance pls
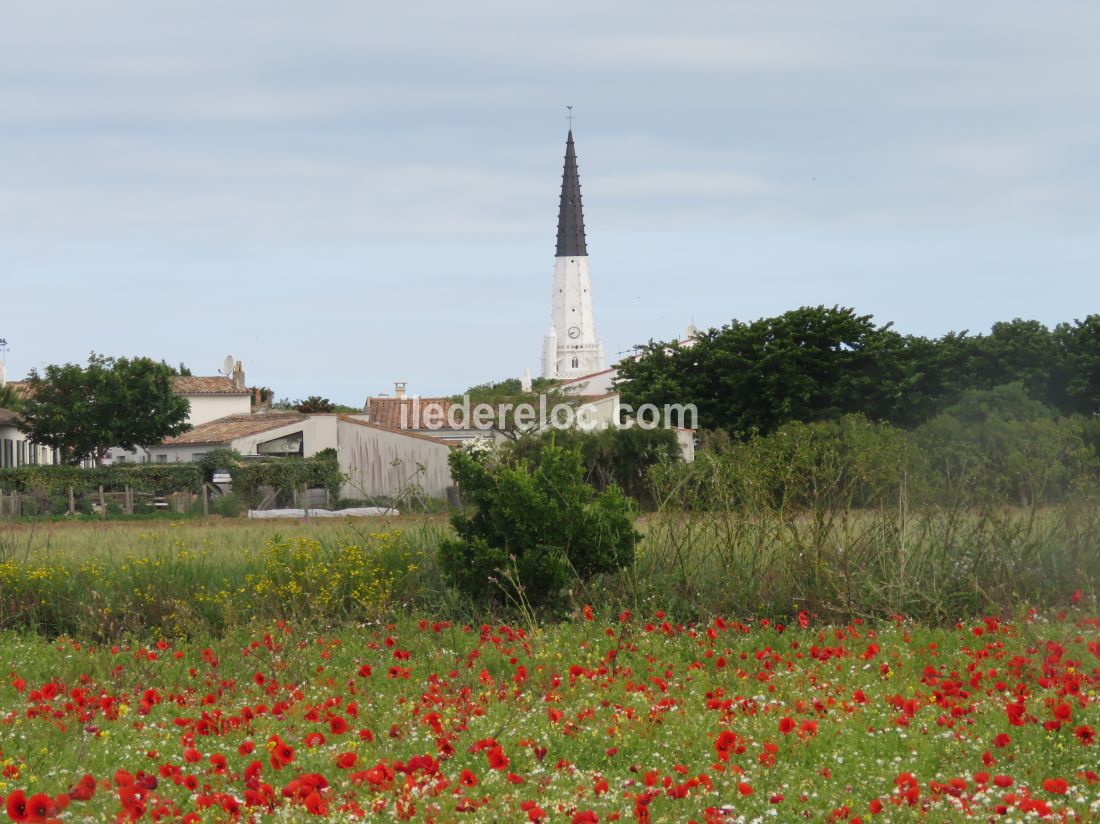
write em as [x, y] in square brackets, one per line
[16, 450]
[384, 462]
[318, 433]
[206, 408]
[599, 383]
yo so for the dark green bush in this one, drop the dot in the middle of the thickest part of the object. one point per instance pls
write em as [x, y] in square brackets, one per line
[534, 529]
[620, 457]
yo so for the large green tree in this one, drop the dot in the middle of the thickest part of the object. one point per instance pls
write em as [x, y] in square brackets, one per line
[812, 363]
[83, 411]
[816, 363]
[1078, 345]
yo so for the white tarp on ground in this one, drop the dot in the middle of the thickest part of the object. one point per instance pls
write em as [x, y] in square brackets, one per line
[351, 512]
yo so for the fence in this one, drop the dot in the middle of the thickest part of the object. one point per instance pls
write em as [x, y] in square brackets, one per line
[98, 502]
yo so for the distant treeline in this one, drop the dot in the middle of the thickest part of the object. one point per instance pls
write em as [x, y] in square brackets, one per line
[818, 364]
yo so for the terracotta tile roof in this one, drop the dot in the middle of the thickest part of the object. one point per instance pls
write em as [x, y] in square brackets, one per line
[8, 418]
[227, 429]
[387, 412]
[215, 385]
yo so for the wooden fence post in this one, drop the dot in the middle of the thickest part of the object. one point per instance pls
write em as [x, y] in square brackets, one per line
[205, 500]
[72, 503]
[102, 503]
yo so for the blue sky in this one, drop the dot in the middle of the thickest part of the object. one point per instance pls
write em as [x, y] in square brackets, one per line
[343, 194]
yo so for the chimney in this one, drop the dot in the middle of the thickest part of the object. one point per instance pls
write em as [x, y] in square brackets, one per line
[238, 376]
[399, 389]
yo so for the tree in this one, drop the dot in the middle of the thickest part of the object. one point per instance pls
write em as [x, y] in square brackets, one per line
[314, 404]
[813, 363]
[10, 399]
[506, 397]
[84, 411]
[1079, 345]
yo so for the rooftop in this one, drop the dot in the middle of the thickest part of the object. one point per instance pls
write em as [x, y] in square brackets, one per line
[400, 413]
[228, 429]
[215, 385]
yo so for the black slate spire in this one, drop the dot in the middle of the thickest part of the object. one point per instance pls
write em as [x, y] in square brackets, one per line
[570, 217]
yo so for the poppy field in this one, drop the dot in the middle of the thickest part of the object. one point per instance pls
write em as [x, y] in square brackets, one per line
[602, 717]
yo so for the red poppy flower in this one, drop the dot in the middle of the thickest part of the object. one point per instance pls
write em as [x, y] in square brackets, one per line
[497, 759]
[315, 805]
[84, 789]
[1085, 734]
[1056, 786]
[17, 806]
[39, 807]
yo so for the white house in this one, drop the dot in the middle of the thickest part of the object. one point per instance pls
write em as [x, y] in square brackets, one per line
[214, 397]
[376, 461]
[210, 397]
[16, 449]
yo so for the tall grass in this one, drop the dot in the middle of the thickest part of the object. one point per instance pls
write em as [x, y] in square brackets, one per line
[699, 556]
[109, 582]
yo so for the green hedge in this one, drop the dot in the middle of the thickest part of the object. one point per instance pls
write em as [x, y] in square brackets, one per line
[155, 479]
[287, 475]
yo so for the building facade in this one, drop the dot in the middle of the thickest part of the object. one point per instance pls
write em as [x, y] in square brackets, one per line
[16, 449]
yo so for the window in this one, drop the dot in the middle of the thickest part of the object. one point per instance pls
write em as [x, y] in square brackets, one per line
[576, 363]
[197, 456]
[162, 458]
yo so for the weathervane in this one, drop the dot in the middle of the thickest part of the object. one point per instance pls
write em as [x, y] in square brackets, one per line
[569, 117]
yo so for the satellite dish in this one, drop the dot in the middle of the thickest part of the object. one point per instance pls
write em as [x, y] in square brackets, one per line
[227, 365]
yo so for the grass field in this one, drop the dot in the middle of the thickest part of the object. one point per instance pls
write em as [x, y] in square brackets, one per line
[236, 670]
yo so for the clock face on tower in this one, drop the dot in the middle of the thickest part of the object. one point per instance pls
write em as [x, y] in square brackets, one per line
[574, 332]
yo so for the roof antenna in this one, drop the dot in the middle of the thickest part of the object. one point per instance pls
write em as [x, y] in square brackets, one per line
[569, 117]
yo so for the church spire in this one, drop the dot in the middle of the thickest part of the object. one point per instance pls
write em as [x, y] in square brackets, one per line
[570, 216]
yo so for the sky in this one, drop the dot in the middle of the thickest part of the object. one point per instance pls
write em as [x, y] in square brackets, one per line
[343, 194]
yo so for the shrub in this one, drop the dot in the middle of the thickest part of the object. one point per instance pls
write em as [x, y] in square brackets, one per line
[228, 506]
[534, 528]
[622, 457]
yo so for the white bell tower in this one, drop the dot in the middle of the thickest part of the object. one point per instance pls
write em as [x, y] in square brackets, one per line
[571, 348]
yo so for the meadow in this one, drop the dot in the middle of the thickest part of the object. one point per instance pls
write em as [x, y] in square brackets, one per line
[601, 718]
[231, 670]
